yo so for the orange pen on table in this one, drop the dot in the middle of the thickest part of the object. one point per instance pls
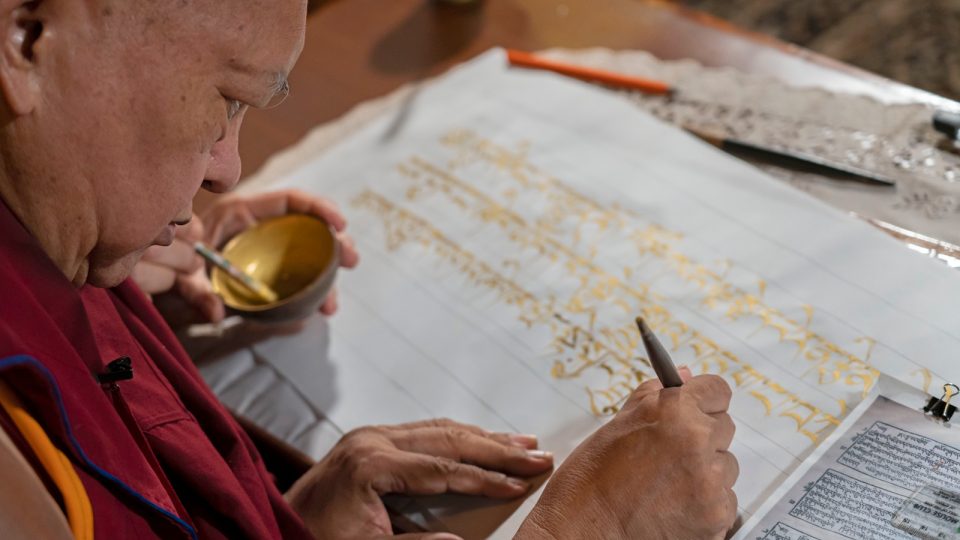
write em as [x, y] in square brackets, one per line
[528, 60]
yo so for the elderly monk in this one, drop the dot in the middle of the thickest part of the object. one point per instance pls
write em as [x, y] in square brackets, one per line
[113, 114]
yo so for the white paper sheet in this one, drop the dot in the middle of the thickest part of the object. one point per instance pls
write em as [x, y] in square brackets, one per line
[513, 223]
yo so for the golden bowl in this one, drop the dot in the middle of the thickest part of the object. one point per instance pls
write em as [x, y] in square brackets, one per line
[295, 255]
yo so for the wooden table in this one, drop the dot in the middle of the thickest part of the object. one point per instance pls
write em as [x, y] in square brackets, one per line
[359, 49]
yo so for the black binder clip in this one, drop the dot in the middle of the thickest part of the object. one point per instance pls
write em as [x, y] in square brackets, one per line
[940, 407]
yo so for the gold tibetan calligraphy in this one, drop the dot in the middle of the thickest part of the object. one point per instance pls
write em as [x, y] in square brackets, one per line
[581, 270]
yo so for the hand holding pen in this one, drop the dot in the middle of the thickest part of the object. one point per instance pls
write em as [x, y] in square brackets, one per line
[660, 468]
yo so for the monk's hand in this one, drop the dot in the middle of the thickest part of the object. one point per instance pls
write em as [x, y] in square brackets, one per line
[659, 469]
[162, 268]
[235, 213]
[340, 496]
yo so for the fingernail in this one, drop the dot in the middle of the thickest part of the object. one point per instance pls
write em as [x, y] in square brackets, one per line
[523, 439]
[443, 536]
[517, 483]
[539, 454]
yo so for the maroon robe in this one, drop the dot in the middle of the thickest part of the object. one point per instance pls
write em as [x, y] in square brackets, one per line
[157, 453]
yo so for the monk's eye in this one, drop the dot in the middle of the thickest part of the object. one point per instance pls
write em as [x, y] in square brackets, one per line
[234, 107]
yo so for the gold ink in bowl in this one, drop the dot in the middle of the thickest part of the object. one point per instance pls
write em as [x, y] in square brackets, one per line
[295, 255]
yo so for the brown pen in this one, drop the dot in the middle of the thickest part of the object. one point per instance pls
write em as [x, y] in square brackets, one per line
[658, 356]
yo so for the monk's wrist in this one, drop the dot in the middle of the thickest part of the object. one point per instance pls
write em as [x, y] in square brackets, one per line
[558, 521]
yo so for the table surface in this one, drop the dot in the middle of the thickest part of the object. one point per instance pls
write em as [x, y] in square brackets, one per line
[360, 49]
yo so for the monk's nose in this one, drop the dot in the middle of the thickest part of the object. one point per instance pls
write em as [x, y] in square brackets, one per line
[223, 171]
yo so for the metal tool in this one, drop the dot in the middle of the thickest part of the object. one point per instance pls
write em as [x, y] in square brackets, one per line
[789, 157]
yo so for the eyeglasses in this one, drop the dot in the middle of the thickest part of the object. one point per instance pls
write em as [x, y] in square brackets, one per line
[279, 95]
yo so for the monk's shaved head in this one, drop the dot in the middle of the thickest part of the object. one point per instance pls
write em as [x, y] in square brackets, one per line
[113, 113]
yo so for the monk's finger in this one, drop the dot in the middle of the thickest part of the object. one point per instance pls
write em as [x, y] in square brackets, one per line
[349, 257]
[179, 256]
[483, 450]
[304, 203]
[152, 278]
[504, 438]
[330, 305]
[293, 201]
[523, 440]
[728, 468]
[646, 388]
[225, 220]
[236, 213]
[711, 392]
[418, 474]
[733, 506]
[191, 232]
[723, 430]
[196, 290]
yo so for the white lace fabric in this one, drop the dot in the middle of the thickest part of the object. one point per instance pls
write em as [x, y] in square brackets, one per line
[894, 140]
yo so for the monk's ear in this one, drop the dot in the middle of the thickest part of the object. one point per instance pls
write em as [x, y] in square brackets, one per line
[21, 32]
